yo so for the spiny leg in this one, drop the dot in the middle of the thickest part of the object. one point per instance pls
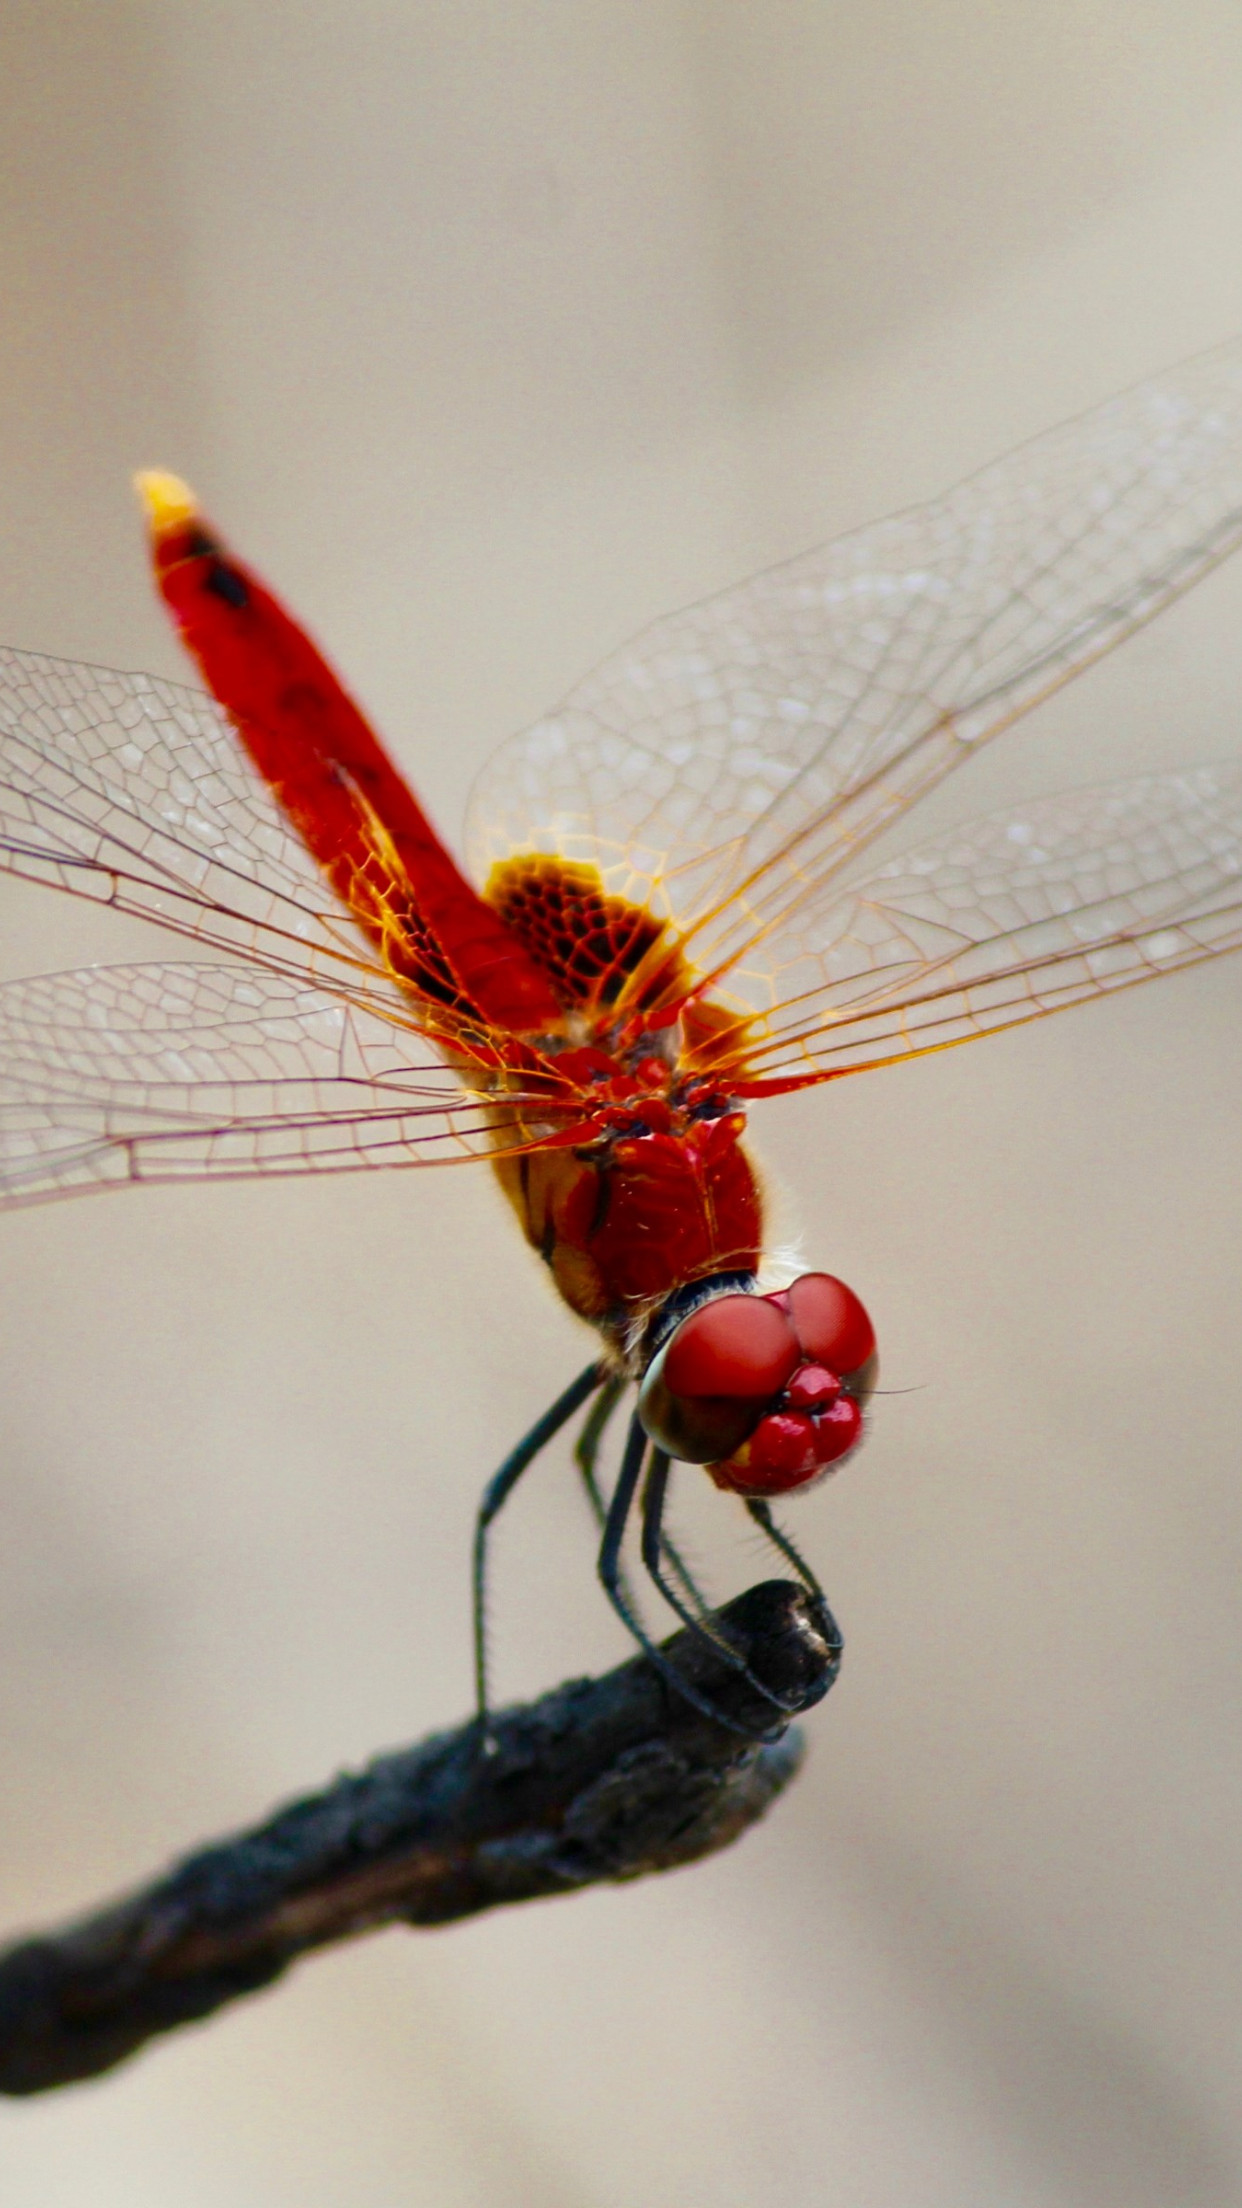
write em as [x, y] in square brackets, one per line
[586, 1455]
[762, 1515]
[685, 1577]
[668, 1550]
[655, 1548]
[497, 1492]
[586, 1448]
[610, 1575]
[780, 1540]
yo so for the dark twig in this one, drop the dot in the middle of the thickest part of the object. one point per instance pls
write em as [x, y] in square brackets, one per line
[602, 1779]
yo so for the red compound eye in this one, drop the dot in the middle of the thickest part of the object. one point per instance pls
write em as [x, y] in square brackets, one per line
[830, 1323]
[736, 1346]
[752, 1386]
[716, 1375]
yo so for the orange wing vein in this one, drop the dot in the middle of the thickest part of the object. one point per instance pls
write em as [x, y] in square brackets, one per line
[737, 757]
[118, 1074]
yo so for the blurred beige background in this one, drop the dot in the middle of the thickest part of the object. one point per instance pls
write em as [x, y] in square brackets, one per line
[491, 331]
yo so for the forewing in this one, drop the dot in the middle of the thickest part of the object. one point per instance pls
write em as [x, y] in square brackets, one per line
[134, 792]
[998, 921]
[735, 753]
[118, 1074]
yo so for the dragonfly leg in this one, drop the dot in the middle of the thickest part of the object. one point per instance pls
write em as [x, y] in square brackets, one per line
[684, 1576]
[614, 1585]
[667, 1550]
[762, 1515]
[586, 1448]
[586, 1457]
[586, 1454]
[496, 1494]
[657, 1549]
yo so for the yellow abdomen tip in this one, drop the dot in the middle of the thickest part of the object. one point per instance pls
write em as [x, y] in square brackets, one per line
[169, 503]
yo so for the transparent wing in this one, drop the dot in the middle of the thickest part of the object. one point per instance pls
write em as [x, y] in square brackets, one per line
[738, 752]
[117, 1074]
[134, 792]
[998, 921]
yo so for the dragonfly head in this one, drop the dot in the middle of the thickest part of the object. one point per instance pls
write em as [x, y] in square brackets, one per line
[766, 1391]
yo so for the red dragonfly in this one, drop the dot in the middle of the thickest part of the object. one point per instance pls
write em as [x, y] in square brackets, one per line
[674, 916]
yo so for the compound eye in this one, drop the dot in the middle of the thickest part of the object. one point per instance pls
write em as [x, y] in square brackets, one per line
[707, 1388]
[738, 1345]
[830, 1323]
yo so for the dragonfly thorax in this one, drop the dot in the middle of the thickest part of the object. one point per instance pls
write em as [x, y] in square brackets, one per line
[663, 1193]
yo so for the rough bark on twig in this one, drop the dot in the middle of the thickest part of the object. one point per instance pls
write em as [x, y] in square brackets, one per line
[602, 1779]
